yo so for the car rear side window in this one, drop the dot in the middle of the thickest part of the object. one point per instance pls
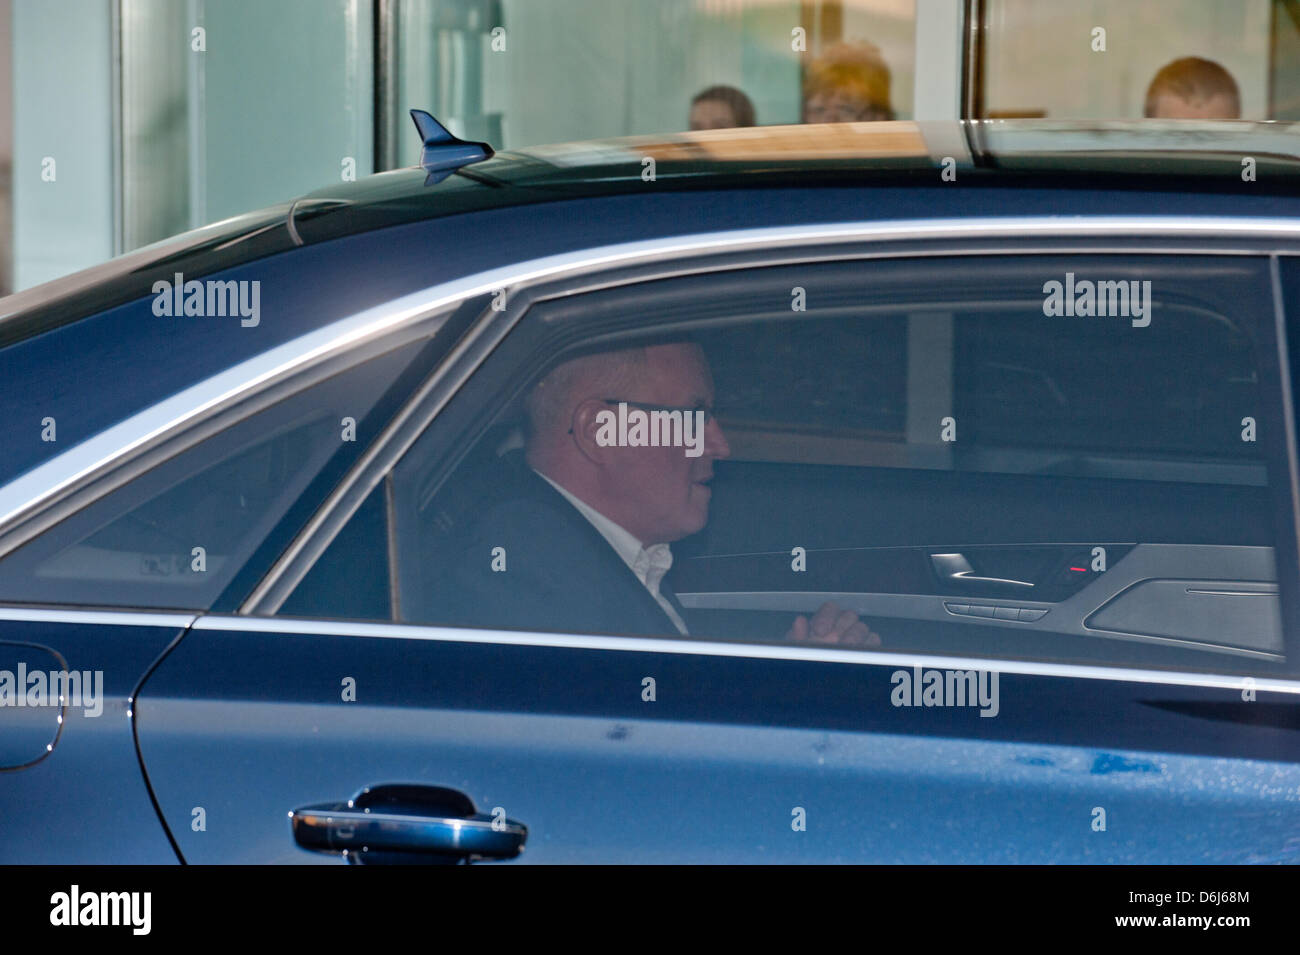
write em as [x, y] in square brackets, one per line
[1058, 457]
[197, 531]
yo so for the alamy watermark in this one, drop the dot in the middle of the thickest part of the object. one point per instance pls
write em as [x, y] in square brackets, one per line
[921, 687]
[132, 910]
[82, 689]
[655, 428]
[211, 298]
[1107, 299]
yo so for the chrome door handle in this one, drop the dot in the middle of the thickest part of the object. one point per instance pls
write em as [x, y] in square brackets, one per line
[954, 568]
[403, 823]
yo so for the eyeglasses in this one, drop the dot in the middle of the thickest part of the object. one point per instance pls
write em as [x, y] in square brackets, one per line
[708, 412]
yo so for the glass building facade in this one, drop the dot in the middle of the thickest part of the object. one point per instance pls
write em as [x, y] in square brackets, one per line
[123, 122]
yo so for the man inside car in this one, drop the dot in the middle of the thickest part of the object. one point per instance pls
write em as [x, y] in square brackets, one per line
[580, 536]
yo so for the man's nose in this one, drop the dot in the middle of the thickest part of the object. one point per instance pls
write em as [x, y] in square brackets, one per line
[715, 442]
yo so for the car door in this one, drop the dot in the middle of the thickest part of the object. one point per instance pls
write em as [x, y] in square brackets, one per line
[88, 606]
[336, 716]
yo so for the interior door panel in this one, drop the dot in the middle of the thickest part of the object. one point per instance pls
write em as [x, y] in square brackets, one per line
[1033, 571]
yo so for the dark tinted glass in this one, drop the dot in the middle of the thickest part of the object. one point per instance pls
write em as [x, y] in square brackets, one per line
[351, 579]
[215, 516]
[940, 446]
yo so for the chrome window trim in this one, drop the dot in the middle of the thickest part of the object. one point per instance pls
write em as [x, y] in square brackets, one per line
[753, 651]
[113, 618]
[225, 623]
[29, 502]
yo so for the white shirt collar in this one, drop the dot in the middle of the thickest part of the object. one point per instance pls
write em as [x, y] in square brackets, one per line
[648, 563]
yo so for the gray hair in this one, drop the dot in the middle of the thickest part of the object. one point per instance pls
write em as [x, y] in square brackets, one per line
[609, 374]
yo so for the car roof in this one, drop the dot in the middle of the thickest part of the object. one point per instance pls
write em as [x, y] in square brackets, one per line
[1169, 155]
[1191, 158]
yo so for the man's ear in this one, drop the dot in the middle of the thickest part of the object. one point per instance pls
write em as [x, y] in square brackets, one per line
[593, 425]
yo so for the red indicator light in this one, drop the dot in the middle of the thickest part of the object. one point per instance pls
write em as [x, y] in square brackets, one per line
[1082, 570]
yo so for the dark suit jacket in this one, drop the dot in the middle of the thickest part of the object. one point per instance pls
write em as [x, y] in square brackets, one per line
[561, 574]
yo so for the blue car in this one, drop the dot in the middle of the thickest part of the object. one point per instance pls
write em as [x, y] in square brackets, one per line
[981, 510]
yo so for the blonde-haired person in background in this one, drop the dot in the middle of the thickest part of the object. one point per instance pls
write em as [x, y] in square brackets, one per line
[847, 83]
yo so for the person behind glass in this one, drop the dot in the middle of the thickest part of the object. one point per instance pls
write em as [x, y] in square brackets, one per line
[721, 107]
[586, 526]
[1193, 88]
[847, 83]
